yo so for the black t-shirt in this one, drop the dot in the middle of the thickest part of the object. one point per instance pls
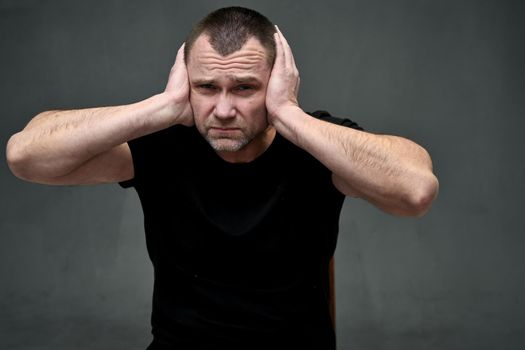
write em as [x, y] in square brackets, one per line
[240, 250]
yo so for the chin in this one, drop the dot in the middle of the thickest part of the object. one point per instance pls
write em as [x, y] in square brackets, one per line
[227, 145]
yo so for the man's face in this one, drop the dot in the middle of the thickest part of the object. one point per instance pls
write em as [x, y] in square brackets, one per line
[228, 94]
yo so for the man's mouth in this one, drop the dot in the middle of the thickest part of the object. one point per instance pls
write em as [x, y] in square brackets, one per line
[221, 129]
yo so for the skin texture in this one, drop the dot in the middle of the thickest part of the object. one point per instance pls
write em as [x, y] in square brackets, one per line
[228, 95]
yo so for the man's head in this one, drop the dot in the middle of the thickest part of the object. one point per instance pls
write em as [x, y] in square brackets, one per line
[229, 56]
[229, 28]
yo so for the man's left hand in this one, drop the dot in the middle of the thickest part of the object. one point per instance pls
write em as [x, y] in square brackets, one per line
[283, 86]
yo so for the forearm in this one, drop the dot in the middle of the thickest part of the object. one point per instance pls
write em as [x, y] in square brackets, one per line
[392, 172]
[56, 142]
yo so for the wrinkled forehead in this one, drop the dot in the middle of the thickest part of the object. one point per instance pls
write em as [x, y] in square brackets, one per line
[204, 60]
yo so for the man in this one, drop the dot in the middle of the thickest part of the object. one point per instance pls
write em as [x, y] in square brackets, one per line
[241, 189]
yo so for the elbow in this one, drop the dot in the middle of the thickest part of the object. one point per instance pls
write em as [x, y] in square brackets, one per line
[15, 159]
[423, 195]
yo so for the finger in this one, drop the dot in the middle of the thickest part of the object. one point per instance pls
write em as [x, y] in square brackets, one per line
[179, 60]
[178, 70]
[287, 50]
[285, 54]
[279, 52]
[297, 87]
[180, 54]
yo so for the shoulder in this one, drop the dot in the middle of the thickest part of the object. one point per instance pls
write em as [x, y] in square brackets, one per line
[324, 115]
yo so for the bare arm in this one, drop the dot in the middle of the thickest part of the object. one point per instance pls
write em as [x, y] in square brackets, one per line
[391, 172]
[56, 144]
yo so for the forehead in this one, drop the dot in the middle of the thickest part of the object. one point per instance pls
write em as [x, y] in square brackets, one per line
[206, 62]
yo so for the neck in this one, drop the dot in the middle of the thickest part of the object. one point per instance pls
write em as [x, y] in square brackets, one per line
[252, 150]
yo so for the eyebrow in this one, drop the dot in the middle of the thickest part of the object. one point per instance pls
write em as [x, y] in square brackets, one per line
[238, 79]
[245, 79]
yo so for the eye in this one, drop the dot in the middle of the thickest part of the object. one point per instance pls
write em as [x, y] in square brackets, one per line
[243, 87]
[206, 89]
[206, 86]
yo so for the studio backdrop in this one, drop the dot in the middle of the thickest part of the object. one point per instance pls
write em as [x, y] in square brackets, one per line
[74, 271]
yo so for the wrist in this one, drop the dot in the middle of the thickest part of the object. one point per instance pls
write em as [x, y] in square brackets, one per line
[167, 108]
[152, 114]
[283, 113]
[174, 109]
[291, 121]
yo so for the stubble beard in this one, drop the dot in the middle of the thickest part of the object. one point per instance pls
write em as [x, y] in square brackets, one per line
[232, 144]
[228, 144]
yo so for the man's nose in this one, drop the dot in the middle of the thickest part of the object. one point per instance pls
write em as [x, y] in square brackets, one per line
[224, 107]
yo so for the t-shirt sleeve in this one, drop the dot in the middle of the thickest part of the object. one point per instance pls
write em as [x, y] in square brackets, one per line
[135, 148]
[324, 115]
[146, 153]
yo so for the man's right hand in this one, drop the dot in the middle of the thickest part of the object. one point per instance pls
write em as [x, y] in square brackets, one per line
[178, 88]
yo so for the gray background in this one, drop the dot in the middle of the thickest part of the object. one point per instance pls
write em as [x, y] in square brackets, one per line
[74, 273]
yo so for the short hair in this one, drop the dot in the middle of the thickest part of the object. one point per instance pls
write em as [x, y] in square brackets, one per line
[229, 28]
